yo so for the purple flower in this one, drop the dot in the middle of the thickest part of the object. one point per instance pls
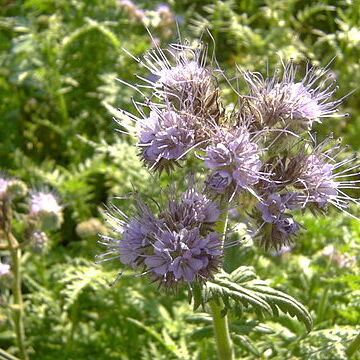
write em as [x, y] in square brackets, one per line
[316, 177]
[176, 245]
[43, 201]
[279, 233]
[219, 181]
[235, 161]
[4, 269]
[286, 225]
[164, 136]
[3, 186]
[138, 234]
[45, 207]
[276, 204]
[179, 78]
[134, 241]
[180, 74]
[182, 255]
[298, 103]
[272, 208]
[182, 78]
[191, 210]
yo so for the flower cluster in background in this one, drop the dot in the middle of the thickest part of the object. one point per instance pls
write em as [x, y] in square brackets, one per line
[38, 211]
[161, 18]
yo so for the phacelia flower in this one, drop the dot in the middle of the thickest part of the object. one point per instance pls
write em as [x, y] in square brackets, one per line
[183, 255]
[317, 179]
[323, 179]
[3, 186]
[132, 9]
[192, 210]
[272, 208]
[234, 159]
[299, 104]
[279, 233]
[166, 15]
[277, 226]
[179, 77]
[45, 208]
[164, 138]
[342, 260]
[178, 244]
[4, 269]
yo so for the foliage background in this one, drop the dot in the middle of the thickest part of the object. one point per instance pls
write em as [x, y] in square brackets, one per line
[58, 64]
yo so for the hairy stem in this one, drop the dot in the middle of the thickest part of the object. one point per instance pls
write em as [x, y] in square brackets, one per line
[17, 307]
[6, 356]
[220, 321]
[221, 332]
[354, 346]
[15, 253]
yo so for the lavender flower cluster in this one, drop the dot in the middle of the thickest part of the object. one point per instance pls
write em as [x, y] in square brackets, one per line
[44, 213]
[260, 155]
[178, 245]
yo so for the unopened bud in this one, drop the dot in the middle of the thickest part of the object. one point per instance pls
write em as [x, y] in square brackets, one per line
[16, 189]
[39, 242]
[89, 228]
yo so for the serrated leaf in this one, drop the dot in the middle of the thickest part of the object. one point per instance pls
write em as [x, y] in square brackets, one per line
[245, 342]
[243, 288]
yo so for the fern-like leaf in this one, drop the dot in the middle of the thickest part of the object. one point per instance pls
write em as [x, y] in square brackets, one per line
[243, 288]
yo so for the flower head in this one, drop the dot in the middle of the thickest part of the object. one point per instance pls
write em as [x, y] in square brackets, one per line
[279, 233]
[235, 161]
[298, 104]
[45, 208]
[3, 186]
[180, 78]
[316, 177]
[4, 269]
[323, 179]
[191, 210]
[183, 255]
[178, 244]
[272, 208]
[163, 138]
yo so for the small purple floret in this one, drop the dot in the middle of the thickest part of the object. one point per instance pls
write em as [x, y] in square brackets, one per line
[235, 160]
[164, 136]
[181, 255]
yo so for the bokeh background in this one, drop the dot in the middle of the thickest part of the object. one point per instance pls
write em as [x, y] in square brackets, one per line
[58, 94]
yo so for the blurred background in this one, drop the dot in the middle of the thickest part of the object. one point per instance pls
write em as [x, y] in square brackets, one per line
[58, 94]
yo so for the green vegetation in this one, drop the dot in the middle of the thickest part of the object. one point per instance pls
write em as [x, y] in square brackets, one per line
[58, 64]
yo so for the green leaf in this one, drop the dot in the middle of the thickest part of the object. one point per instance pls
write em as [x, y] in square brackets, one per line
[243, 287]
[245, 342]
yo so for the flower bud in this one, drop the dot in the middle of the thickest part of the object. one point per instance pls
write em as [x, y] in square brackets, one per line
[16, 189]
[89, 228]
[45, 208]
[39, 242]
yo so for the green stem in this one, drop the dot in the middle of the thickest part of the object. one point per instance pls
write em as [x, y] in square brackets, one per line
[354, 346]
[6, 356]
[15, 253]
[221, 332]
[220, 321]
[18, 309]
